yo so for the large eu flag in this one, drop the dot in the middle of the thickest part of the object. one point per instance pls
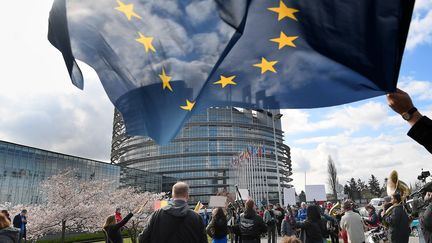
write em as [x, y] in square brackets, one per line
[160, 61]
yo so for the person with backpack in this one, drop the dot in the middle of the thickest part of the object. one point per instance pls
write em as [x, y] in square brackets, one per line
[218, 226]
[175, 223]
[8, 234]
[270, 220]
[252, 226]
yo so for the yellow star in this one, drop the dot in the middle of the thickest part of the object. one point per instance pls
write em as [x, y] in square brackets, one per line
[165, 80]
[224, 81]
[284, 40]
[266, 65]
[146, 41]
[284, 11]
[127, 9]
[189, 105]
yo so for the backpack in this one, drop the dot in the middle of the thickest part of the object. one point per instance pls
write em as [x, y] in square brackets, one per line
[247, 227]
[272, 221]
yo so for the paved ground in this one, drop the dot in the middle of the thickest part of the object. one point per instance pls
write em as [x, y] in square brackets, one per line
[412, 240]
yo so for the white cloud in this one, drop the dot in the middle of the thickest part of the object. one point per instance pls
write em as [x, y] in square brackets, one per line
[421, 25]
[359, 157]
[369, 115]
[422, 5]
[418, 90]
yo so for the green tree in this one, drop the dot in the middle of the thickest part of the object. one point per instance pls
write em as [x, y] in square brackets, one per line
[353, 189]
[374, 186]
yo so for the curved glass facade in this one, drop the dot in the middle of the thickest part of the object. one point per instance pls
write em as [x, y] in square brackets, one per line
[202, 152]
[23, 168]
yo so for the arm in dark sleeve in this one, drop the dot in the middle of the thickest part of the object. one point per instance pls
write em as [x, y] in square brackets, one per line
[426, 219]
[210, 229]
[16, 222]
[392, 218]
[422, 132]
[123, 222]
[301, 225]
[202, 231]
[145, 236]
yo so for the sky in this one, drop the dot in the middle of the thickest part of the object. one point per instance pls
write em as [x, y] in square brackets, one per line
[41, 108]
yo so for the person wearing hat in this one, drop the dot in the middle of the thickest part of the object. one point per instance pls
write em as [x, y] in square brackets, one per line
[352, 223]
[372, 221]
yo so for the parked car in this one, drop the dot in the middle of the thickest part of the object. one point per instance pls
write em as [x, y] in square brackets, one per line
[415, 224]
[377, 203]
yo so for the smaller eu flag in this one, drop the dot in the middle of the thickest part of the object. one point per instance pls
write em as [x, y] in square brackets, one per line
[162, 61]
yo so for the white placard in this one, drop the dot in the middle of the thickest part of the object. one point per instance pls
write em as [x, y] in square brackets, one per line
[244, 194]
[217, 201]
[315, 193]
[289, 196]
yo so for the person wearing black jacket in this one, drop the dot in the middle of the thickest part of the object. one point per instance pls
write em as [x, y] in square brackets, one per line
[112, 229]
[175, 223]
[312, 227]
[425, 218]
[398, 221]
[421, 126]
[252, 226]
[20, 222]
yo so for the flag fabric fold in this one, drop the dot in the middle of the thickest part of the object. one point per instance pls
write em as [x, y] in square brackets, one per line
[162, 61]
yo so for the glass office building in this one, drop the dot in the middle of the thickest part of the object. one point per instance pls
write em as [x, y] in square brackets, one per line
[203, 151]
[23, 168]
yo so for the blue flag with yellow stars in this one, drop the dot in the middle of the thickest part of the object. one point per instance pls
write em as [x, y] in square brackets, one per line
[160, 61]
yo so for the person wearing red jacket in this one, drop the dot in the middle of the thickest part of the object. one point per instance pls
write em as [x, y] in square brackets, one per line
[118, 216]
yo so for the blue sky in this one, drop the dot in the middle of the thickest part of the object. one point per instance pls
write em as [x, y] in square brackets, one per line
[42, 108]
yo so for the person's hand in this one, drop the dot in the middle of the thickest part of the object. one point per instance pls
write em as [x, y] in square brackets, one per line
[428, 196]
[139, 209]
[399, 101]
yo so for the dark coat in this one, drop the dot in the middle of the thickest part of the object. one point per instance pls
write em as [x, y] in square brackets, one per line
[310, 231]
[252, 226]
[217, 229]
[175, 223]
[399, 231]
[114, 231]
[20, 224]
[426, 223]
[9, 235]
[422, 132]
[17, 221]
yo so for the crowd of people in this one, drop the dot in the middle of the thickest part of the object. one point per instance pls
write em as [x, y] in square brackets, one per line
[311, 223]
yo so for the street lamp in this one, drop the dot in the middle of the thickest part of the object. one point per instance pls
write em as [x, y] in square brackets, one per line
[274, 117]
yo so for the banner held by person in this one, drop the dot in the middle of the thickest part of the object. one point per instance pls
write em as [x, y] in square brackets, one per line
[160, 62]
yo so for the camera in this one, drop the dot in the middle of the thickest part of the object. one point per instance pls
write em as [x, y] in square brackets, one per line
[423, 176]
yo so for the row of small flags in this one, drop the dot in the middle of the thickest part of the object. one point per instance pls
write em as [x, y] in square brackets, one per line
[250, 152]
